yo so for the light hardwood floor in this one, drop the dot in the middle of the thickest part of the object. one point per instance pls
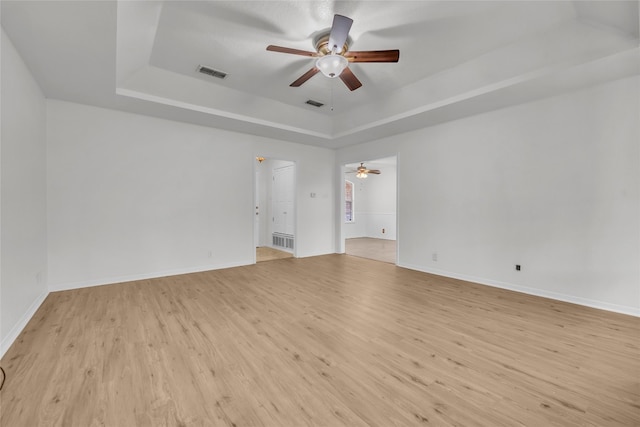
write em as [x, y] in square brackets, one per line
[265, 253]
[333, 340]
[371, 248]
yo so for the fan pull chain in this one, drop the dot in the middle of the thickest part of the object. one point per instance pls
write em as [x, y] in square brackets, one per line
[331, 88]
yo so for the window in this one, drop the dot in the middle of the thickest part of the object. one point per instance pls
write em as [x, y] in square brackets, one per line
[348, 202]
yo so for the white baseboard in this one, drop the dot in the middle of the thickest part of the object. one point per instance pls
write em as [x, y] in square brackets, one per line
[632, 311]
[18, 327]
[133, 277]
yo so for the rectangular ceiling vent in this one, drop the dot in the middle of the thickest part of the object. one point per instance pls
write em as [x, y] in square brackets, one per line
[211, 72]
[314, 103]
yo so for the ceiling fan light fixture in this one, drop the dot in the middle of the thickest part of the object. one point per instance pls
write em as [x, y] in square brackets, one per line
[332, 65]
[361, 174]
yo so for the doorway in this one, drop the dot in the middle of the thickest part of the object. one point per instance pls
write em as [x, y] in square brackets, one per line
[370, 210]
[275, 213]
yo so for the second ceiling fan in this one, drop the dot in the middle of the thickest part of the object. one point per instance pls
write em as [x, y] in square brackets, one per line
[334, 56]
[362, 171]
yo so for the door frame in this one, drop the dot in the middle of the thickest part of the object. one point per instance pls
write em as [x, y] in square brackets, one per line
[267, 209]
[342, 169]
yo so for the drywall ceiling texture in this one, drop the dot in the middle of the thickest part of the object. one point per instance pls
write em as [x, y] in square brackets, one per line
[456, 59]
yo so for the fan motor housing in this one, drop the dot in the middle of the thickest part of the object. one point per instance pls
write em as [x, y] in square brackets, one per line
[321, 43]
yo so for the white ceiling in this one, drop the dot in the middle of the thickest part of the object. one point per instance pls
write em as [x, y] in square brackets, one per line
[456, 59]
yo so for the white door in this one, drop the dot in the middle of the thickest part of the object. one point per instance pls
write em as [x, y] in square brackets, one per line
[283, 200]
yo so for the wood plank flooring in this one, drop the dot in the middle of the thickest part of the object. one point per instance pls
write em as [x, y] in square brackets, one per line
[265, 253]
[371, 248]
[333, 340]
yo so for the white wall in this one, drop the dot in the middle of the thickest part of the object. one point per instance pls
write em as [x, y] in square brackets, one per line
[23, 257]
[315, 173]
[131, 196]
[552, 185]
[263, 188]
[375, 205]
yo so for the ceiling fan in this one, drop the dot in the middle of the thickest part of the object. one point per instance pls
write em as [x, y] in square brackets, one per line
[334, 56]
[362, 171]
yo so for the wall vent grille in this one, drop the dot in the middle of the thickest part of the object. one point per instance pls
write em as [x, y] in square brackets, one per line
[211, 72]
[282, 240]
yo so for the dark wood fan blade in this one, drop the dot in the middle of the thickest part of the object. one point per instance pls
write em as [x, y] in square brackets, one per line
[373, 56]
[373, 171]
[291, 51]
[350, 79]
[306, 76]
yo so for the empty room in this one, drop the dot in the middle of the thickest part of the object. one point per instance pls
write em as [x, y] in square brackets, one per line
[182, 184]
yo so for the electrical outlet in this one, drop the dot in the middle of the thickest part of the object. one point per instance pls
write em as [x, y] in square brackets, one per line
[518, 267]
[383, 231]
[434, 256]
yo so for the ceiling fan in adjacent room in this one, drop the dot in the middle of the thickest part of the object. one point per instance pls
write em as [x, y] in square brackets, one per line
[334, 56]
[362, 171]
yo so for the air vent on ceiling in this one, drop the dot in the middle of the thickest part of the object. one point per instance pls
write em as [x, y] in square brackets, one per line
[211, 72]
[314, 103]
